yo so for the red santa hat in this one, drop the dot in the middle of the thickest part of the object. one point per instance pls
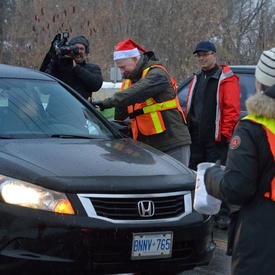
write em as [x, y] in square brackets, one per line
[127, 49]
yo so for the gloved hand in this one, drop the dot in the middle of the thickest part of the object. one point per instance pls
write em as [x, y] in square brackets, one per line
[51, 56]
[99, 104]
[55, 42]
[218, 163]
[212, 178]
[215, 167]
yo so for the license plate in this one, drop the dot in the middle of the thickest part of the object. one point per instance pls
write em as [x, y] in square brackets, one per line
[152, 245]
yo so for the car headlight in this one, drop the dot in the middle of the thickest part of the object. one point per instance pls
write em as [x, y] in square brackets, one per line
[21, 193]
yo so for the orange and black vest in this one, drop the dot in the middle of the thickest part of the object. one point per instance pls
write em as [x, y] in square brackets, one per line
[270, 132]
[146, 116]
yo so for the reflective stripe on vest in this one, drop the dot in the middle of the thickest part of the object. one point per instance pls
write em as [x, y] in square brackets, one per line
[270, 132]
[174, 84]
[125, 85]
[151, 121]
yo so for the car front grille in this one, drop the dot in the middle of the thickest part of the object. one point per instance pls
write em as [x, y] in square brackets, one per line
[129, 207]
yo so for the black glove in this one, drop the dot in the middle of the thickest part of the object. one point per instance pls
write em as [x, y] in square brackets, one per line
[218, 163]
[99, 104]
[55, 42]
[212, 169]
[212, 176]
[51, 55]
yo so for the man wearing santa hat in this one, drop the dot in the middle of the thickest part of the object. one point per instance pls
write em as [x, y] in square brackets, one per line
[149, 98]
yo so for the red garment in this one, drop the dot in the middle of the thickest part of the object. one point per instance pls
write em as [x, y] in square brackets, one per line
[228, 109]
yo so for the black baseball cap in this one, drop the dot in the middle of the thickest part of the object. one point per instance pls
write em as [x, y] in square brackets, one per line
[205, 46]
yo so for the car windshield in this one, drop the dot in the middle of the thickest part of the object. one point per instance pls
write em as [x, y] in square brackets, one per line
[41, 109]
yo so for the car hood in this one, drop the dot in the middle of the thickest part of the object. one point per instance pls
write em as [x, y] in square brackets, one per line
[77, 164]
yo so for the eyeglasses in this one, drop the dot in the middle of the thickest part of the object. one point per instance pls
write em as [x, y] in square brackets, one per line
[203, 55]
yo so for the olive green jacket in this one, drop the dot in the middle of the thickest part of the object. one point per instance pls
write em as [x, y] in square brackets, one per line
[155, 84]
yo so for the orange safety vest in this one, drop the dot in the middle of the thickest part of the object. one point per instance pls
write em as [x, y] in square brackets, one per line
[270, 132]
[146, 116]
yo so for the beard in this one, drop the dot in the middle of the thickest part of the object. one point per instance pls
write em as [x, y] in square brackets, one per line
[79, 58]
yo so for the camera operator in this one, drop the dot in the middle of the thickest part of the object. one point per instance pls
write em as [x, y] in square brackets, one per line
[69, 64]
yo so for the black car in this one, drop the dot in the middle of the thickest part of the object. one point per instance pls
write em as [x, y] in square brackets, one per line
[78, 197]
[247, 85]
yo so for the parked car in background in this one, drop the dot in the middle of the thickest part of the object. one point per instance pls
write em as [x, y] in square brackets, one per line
[247, 84]
[77, 197]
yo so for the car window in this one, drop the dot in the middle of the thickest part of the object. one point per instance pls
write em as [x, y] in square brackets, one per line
[32, 108]
[247, 85]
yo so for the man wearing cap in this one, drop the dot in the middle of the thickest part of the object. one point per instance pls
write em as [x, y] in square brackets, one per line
[82, 76]
[248, 181]
[149, 97]
[212, 111]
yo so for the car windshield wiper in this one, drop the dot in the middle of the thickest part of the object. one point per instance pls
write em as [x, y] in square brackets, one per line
[2, 137]
[73, 136]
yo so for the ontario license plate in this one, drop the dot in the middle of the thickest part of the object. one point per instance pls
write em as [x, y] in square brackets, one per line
[152, 245]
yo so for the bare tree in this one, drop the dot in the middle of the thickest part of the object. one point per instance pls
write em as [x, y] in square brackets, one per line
[244, 30]
[240, 29]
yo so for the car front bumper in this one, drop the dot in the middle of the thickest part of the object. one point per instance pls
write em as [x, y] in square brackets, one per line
[38, 241]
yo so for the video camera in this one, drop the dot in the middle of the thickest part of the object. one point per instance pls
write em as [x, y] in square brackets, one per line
[61, 45]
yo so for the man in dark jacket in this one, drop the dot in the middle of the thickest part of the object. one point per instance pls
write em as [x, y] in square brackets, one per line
[73, 69]
[248, 182]
[212, 111]
[149, 98]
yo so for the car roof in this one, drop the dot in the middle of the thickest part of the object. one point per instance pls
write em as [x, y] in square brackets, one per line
[243, 68]
[9, 71]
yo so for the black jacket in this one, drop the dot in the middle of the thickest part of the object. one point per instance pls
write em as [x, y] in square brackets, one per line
[85, 78]
[248, 174]
[202, 115]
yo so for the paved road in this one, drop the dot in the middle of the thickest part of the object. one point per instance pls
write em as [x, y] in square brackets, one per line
[220, 264]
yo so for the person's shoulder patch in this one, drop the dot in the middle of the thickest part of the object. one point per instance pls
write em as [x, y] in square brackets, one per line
[235, 142]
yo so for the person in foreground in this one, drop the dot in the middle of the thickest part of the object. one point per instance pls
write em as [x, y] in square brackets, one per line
[149, 97]
[212, 111]
[248, 183]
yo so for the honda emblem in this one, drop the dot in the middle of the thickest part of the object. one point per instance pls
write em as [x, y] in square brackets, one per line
[146, 209]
